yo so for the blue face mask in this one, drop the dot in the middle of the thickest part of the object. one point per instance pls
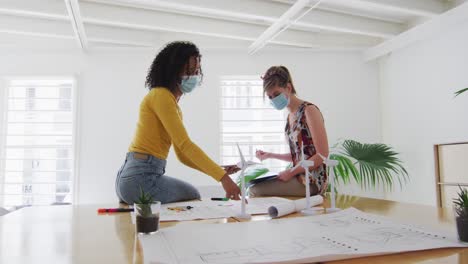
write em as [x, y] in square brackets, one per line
[280, 102]
[189, 83]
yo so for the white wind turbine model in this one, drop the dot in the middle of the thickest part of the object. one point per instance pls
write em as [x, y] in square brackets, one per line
[332, 164]
[243, 165]
[306, 164]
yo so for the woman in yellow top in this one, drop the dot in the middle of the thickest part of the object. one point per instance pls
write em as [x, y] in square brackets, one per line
[175, 71]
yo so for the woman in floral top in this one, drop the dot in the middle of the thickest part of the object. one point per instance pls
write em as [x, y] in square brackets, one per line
[304, 127]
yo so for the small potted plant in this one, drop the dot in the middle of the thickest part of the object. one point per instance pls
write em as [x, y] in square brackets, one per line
[147, 213]
[461, 214]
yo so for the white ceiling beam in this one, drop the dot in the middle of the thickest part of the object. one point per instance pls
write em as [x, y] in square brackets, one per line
[122, 36]
[16, 42]
[61, 29]
[336, 22]
[279, 26]
[239, 10]
[77, 23]
[149, 20]
[266, 13]
[424, 8]
[31, 26]
[437, 25]
[47, 9]
[148, 27]
[201, 26]
[108, 37]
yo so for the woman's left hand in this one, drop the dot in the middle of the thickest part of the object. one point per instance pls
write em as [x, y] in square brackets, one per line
[285, 176]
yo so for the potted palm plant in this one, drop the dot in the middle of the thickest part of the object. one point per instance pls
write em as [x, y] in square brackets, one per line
[460, 206]
[369, 165]
[147, 213]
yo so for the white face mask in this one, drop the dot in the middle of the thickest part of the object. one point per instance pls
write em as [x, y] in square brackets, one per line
[280, 101]
[189, 83]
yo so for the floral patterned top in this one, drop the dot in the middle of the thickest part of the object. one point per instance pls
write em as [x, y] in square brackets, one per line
[298, 134]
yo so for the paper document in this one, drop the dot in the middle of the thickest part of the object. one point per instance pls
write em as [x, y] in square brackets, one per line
[199, 210]
[208, 209]
[346, 234]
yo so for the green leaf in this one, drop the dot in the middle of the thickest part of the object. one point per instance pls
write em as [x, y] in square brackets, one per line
[457, 93]
[345, 169]
[144, 198]
[374, 165]
[251, 174]
[462, 199]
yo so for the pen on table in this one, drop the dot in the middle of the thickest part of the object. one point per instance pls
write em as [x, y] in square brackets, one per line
[114, 210]
[180, 208]
[219, 199]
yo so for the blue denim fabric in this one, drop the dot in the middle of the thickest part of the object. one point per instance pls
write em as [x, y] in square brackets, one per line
[149, 174]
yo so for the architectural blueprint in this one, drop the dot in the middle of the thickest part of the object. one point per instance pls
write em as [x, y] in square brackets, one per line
[346, 234]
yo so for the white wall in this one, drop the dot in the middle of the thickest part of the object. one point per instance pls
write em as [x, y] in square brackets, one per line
[418, 105]
[111, 85]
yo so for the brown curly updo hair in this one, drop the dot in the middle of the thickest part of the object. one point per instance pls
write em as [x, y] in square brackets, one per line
[277, 76]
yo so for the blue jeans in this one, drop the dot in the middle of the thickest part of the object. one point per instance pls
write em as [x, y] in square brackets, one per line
[148, 173]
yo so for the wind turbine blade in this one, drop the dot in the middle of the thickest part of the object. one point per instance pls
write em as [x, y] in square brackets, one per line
[323, 157]
[302, 152]
[241, 155]
[297, 166]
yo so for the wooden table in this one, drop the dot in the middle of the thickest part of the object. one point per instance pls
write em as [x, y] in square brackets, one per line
[77, 234]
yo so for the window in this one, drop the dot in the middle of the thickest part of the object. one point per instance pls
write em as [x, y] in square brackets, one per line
[250, 120]
[37, 144]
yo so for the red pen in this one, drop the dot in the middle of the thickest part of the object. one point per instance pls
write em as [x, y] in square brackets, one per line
[114, 210]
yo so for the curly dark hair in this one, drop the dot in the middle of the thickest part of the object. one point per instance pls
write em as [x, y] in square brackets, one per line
[166, 69]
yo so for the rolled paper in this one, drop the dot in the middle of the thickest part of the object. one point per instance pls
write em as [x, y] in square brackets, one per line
[293, 206]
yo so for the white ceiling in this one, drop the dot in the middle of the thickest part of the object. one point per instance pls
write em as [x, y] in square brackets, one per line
[241, 24]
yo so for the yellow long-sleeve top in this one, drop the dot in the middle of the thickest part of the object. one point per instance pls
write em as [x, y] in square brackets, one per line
[160, 125]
